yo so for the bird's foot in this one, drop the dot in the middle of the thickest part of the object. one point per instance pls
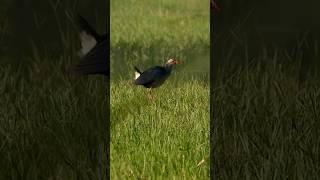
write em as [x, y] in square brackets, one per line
[152, 98]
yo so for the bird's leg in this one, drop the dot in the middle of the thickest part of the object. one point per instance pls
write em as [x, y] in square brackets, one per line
[150, 95]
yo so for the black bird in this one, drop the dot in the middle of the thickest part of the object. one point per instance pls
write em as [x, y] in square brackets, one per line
[154, 76]
[94, 51]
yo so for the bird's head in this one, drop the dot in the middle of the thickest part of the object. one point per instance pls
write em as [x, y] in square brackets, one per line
[172, 62]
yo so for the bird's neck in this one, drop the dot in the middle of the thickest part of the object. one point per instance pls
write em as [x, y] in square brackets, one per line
[168, 67]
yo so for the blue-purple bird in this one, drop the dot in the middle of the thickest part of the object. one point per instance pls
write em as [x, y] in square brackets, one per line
[155, 76]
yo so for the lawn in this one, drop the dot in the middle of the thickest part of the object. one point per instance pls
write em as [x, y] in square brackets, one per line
[265, 116]
[265, 125]
[167, 138]
[52, 124]
[164, 138]
[48, 131]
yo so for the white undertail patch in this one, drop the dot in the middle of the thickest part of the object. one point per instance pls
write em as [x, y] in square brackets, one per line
[87, 43]
[136, 75]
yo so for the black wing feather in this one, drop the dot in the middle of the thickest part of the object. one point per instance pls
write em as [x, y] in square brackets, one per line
[135, 68]
[85, 26]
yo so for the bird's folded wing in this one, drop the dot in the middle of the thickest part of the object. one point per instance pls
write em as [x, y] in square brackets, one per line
[150, 75]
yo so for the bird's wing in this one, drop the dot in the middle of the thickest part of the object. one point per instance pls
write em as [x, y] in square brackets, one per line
[95, 62]
[150, 75]
[88, 36]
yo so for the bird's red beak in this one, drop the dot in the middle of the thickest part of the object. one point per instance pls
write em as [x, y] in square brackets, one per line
[214, 6]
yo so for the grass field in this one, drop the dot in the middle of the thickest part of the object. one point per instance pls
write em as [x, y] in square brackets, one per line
[266, 117]
[48, 131]
[168, 137]
[265, 126]
[52, 125]
[165, 138]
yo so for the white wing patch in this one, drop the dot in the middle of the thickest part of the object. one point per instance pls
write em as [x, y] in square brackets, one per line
[136, 75]
[87, 43]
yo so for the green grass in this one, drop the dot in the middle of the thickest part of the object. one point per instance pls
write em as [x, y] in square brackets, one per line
[265, 123]
[161, 23]
[47, 128]
[266, 117]
[53, 125]
[165, 138]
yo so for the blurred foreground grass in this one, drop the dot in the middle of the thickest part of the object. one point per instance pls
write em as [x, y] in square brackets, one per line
[47, 128]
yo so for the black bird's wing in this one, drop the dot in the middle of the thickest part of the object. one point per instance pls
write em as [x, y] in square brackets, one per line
[94, 62]
[151, 75]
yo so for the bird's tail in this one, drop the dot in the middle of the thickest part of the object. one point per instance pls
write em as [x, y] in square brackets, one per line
[136, 73]
[85, 26]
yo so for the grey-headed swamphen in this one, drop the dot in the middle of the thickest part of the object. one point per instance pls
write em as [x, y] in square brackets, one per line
[154, 76]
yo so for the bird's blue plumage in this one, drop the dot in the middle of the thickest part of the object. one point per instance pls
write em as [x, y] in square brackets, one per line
[153, 77]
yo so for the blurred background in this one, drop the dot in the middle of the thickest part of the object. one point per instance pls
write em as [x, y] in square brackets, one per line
[150, 33]
[247, 29]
